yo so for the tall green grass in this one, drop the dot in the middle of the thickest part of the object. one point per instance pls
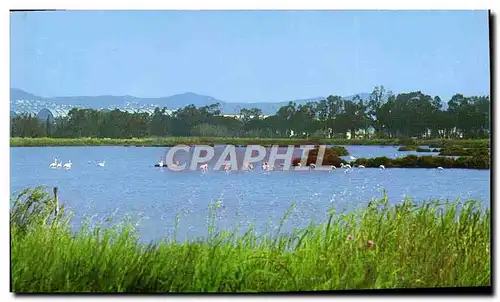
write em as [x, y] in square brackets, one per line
[172, 141]
[431, 244]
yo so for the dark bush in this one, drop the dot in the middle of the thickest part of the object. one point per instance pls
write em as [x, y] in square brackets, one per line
[408, 148]
[459, 151]
[413, 161]
[423, 150]
[331, 156]
[339, 150]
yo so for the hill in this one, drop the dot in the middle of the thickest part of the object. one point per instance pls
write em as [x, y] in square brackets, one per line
[22, 101]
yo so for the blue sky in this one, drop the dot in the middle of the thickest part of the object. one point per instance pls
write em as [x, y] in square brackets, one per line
[245, 56]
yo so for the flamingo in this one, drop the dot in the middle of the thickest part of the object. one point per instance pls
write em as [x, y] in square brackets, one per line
[440, 168]
[227, 167]
[333, 167]
[54, 164]
[68, 165]
[204, 167]
[59, 164]
[101, 164]
[361, 166]
[312, 166]
[160, 163]
[382, 167]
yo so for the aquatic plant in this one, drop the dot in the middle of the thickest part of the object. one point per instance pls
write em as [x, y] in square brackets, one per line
[383, 245]
[414, 148]
[331, 156]
[413, 161]
[339, 150]
[460, 151]
[408, 148]
[423, 149]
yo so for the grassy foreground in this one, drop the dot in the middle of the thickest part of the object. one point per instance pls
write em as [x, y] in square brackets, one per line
[381, 246]
[172, 141]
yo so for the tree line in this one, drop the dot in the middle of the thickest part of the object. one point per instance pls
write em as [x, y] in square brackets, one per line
[382, 115]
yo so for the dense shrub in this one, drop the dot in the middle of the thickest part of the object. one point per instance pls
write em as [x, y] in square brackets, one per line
[423, 150]
[413, 161]
[459, 151]
[339, 150]
[408, 148]
[331, 157]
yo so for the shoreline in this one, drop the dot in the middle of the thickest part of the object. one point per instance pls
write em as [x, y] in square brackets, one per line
[173, 141]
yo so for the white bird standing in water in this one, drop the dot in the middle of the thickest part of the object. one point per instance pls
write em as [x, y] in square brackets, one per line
[440, 168]
[68, 165]
[361, 166]
[54, 164]
[101, 164]
[204, 167]
[382, 167]
[248, 166]
[312, 166]
[333, 167]
[160, 163]
[346, 167]
[59, 164]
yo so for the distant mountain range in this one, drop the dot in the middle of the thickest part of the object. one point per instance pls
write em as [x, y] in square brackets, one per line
[22, 101]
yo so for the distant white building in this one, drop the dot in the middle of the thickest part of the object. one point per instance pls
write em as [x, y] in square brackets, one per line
[239, 116]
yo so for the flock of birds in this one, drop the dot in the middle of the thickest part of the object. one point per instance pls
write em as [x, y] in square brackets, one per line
[56, 165]
[267, 167]
[227, 166]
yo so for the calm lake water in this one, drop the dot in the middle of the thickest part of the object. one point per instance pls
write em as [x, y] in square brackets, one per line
[129, 184]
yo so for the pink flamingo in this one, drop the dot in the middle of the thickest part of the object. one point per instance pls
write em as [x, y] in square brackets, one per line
[204, 167]
[227, 167]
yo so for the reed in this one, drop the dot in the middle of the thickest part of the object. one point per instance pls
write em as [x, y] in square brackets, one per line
[383, 245]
